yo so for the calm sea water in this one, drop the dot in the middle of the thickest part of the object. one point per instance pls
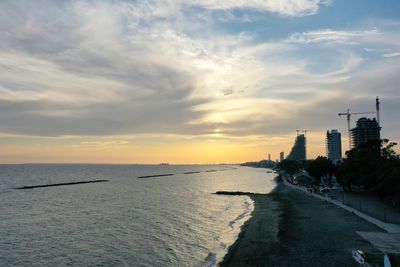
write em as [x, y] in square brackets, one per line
[164, 221]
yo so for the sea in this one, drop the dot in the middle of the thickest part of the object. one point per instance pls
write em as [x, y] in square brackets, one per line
[174, 220]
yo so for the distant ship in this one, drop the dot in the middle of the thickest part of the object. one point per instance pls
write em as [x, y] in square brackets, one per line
[164, 164]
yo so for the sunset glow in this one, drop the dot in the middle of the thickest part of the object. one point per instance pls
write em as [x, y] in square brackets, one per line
[190, 81]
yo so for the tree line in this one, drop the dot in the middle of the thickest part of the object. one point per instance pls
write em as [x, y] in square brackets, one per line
[260, 164]
[372, 168]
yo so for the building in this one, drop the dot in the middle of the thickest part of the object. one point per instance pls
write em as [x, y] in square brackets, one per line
[333, 145]
[281, 156]
[298, 151]
[365, 130]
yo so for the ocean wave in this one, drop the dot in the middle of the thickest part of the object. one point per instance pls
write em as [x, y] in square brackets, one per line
[229, 236]
[247, 209]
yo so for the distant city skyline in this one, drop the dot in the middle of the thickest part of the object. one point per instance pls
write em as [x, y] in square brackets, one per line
[199, 81]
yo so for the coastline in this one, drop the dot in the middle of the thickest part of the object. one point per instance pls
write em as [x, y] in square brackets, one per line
[290, 228]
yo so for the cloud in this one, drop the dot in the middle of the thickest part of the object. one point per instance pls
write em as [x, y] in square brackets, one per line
[104, 143]
[227, 91]
[170, 8]
[87, 74]
[332, 36]
[150, 67]
[282, 7]
[396, 54]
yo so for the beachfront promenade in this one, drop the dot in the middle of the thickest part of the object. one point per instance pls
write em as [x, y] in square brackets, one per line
[370, 205]
[389, 227]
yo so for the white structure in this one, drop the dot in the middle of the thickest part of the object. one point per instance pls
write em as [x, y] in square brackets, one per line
[334, 145]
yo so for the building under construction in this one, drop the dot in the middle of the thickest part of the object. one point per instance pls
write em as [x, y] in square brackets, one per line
[365, 130]
[298, 151]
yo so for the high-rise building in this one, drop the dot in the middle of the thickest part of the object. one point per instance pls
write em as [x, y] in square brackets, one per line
[281, 156]
[365, 130]
[334, 145]
[298, 151]
[269, 157]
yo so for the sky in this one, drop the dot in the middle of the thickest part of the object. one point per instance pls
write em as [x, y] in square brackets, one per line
[200, 81]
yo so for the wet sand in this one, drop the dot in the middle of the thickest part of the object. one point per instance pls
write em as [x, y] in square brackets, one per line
[290, 228]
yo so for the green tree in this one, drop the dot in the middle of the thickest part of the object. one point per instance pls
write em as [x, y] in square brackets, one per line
[320, 167]
[373, 166]
[290, 166]
[387, 151]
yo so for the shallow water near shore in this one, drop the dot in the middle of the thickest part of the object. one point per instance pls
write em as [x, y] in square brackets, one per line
[158, 221]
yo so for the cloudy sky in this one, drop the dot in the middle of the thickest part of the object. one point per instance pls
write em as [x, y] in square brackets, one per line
[197, 81]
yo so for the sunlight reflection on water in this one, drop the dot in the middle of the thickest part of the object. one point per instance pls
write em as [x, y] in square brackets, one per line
[161, 221]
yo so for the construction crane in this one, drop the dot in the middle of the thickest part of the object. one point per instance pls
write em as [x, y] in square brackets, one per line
[302, 131]
[348, 115]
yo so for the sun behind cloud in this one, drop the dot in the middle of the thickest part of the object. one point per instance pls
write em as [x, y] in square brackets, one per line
[187, 82]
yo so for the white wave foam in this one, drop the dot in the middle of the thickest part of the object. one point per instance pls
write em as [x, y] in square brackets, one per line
[229, 236]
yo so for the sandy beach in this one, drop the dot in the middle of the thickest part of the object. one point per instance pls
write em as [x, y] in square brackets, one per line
[290, 228]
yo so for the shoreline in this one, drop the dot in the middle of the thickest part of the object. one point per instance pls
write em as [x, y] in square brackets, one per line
[290, 228]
